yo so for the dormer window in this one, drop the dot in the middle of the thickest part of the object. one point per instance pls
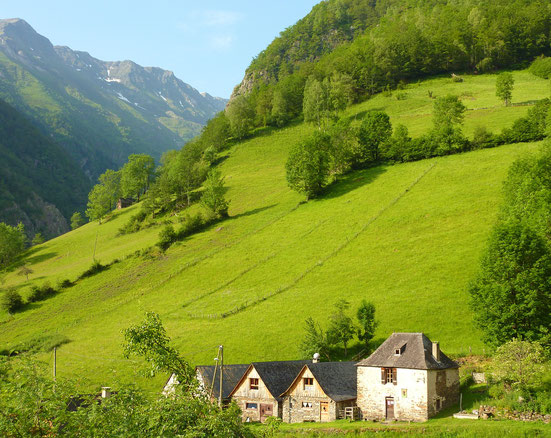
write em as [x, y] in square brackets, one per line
[397, 352]
[253, 383]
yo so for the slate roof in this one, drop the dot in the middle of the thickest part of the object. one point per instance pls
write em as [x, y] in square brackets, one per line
[277, 376]
[232, 375]
[337, 379]
[416, 354]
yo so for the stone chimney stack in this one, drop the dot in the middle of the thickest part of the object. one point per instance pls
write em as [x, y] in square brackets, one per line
[436, 351]
[316, 358]
[105, 392]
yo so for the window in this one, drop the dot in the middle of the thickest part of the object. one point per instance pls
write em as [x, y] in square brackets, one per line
[251, 406]
[397, 352]
[307, 405]
[438, 404]
[388, 375]
[404, 393]
[253, 383]
[308, 382]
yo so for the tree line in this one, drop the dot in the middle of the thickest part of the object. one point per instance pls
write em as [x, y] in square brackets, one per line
[339, 145]
[388, 42]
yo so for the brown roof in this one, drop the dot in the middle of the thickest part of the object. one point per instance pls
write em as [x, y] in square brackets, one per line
[416, 353]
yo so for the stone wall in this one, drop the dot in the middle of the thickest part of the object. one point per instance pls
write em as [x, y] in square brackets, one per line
[409, 394]
[443, 389]
[293, 412]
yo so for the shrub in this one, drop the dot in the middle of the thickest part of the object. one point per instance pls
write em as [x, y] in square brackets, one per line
[191, 225]
[541, 67]
[65, 284]
[167, 237]
[42, 344]
[41, 293]
[96, 268]
[483, 138]
[11, 301]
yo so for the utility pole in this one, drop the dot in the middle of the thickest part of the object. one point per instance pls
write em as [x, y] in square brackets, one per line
[55, 361]
[221, 349]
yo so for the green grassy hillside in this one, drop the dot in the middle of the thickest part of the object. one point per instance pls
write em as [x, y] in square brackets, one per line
[407, 237]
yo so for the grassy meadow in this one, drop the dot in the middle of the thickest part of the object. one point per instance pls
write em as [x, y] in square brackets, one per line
[407, 237]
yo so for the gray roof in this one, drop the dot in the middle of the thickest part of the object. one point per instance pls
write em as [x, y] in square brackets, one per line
[416, 353]
[232, 375]
[278, 376]
[337, 379]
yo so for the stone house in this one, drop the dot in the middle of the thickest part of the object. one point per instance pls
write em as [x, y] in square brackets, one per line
[209, 381]
[258, 392]
[407, 378]
[320, 391]
[124, 202]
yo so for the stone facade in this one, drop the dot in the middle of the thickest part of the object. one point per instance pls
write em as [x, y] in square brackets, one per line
[416, 394]
[310, 403]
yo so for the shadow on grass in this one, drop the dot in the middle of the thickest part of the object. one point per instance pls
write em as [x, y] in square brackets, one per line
[253, 211]
[352, 181]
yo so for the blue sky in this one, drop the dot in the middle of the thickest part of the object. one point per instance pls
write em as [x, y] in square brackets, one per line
[207, 44]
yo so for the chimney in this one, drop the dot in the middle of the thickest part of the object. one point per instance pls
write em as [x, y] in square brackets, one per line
[316, 358]
[105, 392]
[436, 351]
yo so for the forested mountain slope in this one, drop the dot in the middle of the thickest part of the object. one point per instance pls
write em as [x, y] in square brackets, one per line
[40, 183]
[100, 112]
[407, 237]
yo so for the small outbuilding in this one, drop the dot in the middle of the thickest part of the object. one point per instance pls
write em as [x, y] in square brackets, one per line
[407, 378]
[258, 392]
[209, 380]
[124, 202]
[320, 392]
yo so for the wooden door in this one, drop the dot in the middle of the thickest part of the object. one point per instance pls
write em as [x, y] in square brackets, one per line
[389, 401]
[324, 411]
[266, 411]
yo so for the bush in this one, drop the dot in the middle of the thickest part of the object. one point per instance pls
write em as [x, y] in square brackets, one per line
[42, 344]
[541, 67]
[96, 268]
[134, 224]
[167, 237]
[41, 293]
[483, 138]
[11, 301]
[65, 284]
[191, 225]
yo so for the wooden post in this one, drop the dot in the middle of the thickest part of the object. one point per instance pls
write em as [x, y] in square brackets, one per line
[55, 361]
[460, 402]
[95, 244]
[221, 374]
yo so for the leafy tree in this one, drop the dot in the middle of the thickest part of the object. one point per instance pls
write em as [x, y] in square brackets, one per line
[504, 87]
[213, 195]
[398, 146]
[341, 327]
[216, 132]
[150, 341]
[11, 301]
[308, 165]
[368, 324]
[511, 297]
[185, 172]
[341, 92]
[136, 175]
[448, 112]
[316, 101]
[25, 271]
[315, 341]
[12, 242]
[37, 239]
[241, 115]
[519, 363]
[374, 132]
[104, 195]
[287, 102]
[76, 220]
[344, 145]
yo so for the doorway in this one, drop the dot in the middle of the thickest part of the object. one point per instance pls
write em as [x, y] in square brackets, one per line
[389, 402]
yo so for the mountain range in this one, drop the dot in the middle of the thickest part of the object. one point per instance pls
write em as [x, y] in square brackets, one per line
[98, 112]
